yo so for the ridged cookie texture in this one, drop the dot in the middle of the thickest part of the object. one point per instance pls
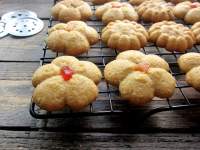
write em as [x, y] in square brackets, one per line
[124, 35]
[190, 64]
[140, 77]
[155, 11]
[73, 38]
[66, 83]
[188, 11]
[171, 36]
[69, 10]
[112, 11]
[196, 30]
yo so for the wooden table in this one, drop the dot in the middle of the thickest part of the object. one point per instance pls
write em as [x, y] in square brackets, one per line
[19, 58]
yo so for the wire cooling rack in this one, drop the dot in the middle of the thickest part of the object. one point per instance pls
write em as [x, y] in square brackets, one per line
[108, 101]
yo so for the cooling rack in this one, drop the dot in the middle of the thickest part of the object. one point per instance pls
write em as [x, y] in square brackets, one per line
[109, 102]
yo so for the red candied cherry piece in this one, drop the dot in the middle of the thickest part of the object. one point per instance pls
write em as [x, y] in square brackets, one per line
[195, 5]
[116, 5]
[66, 73]
[142, 67]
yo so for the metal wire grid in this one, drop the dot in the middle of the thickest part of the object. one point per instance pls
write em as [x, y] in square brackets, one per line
[111, 97]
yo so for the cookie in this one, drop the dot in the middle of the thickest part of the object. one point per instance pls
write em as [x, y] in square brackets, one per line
[137, 88]
[98, 2]
[68, 10]
[190, 64]
[188, 61]
[136, 2]
[73, 38]
[117, 70]
[193, 78]
[164, 83]
[171, 36]
[112, 11]
[188, 11]
[139, 83]
[137, 57]
[196, 30]
[124, 35]
[131, 55]
[155, 61]
[58, 86]
[155, 11]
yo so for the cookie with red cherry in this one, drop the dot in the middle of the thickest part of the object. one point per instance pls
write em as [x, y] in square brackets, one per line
[188, 11]
[140, 77]
[65, 82]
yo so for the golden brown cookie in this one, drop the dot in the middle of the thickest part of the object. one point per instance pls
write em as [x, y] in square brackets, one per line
[124, 35]
[58, 86]
[91, 71]
[73, 38]
[131, 55]
[188, 11]
[171, 36]
[155, 11]
[137, 57]
[155, 61]
[164, 83]
[190, 64]
[68, 10]
[112, 11]
[188, 61]
[98, 2]
[139, 83]
[117, 70]
[193, 78]
[136, 2]
[196, 31]
[137, 88]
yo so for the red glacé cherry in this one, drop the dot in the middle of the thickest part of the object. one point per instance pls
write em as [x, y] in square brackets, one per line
[66, 73]
[142, 67]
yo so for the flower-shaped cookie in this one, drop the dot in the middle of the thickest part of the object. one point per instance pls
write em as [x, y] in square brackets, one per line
[155, 11]
[98, 2]
[124, 35]
[172, 36]
[116, 11]
[196, 31]
[188, 11]
[68, 10]
[140, 77]
[73, 38]
[66, 82]
[190, 64]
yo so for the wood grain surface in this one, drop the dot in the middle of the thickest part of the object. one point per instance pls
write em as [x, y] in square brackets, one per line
[59, 140]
